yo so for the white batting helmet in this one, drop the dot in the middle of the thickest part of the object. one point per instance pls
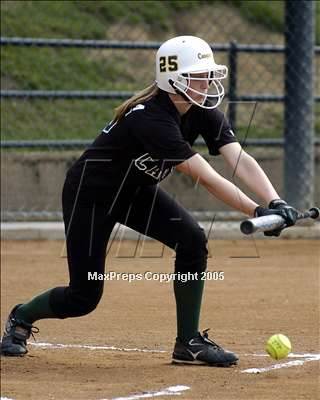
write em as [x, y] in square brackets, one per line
[180, 57]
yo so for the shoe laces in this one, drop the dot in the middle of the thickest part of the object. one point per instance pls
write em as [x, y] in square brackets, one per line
[206, 337]
[33, 330]
[29, 327]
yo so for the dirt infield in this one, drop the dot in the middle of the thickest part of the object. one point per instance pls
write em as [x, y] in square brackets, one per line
[269, 287]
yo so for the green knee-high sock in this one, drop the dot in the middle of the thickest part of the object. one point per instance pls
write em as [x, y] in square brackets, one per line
[36, 308]
[188, 302]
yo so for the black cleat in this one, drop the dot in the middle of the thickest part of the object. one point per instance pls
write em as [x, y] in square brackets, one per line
[15, 335]
[200, 350]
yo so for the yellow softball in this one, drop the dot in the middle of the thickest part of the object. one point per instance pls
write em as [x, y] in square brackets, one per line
[278, 346]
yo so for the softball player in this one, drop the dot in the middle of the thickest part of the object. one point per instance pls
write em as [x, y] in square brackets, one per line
[116, 180]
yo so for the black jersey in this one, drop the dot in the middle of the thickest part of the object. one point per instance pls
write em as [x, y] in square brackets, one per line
[144, 146]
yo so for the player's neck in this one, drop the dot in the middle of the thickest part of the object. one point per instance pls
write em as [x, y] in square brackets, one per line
[180, 103]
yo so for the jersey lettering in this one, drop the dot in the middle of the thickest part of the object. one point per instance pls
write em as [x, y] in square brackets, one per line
[155, 171]
[139, 162]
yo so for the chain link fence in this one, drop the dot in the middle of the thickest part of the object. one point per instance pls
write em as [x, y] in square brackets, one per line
[61, 93]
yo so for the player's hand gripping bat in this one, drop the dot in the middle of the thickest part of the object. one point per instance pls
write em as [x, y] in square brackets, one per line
[271, 222]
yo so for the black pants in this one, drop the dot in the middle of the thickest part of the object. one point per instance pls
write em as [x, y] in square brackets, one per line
[88, 226]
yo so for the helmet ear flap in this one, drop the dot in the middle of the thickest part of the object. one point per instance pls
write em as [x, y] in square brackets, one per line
[182, 82]
[179, 89]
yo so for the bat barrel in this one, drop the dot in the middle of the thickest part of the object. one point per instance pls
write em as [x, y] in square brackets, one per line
[261, 224]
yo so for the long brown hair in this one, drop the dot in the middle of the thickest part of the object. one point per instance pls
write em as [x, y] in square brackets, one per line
[139, 97]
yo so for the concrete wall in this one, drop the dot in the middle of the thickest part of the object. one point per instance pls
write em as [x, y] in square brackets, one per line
[33, 180]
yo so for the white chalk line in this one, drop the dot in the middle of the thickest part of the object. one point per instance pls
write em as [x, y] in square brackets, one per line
[169, 391]
[91, 347]
[290, 355]
[303, 358]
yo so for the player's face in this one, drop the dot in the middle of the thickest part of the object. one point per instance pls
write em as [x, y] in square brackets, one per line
[200, 83]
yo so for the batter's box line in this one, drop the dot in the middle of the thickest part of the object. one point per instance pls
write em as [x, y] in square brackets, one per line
[91, 347]
[169, 391]
[302, 359]
[290, 355]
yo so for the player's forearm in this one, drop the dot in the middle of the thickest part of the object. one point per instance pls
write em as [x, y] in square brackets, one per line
[224, 190]
[253, 176]
[230, 194]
